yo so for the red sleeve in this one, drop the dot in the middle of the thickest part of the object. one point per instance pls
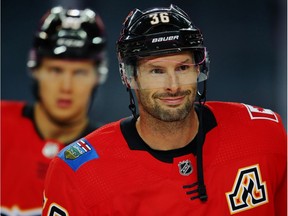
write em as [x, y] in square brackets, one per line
[61, 196]
[281, 190]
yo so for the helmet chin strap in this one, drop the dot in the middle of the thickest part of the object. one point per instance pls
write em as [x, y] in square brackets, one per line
[202, 96]
[132, 105]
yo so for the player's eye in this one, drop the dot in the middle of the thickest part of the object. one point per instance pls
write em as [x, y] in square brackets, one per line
[157, 71]
[80, 72]
[55, 70]
[182, 68]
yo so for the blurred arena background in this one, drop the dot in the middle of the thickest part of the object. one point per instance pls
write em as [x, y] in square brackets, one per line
[247, 42]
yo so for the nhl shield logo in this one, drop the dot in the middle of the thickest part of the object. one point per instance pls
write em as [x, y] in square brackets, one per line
[185, 167]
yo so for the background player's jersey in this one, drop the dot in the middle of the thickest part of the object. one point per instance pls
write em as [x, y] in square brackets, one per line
[25, 157]
[113, 172]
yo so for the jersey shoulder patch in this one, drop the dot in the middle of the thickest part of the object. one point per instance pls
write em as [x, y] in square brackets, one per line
[258, 113]
[78, 153]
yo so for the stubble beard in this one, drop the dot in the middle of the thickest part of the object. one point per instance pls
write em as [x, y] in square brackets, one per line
[166, 114]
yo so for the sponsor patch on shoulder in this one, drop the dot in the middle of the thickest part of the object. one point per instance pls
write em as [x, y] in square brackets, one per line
[257, 113]
[78, 153]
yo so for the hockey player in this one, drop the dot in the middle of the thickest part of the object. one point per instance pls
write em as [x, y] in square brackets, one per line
[178, 156]
[67, 63]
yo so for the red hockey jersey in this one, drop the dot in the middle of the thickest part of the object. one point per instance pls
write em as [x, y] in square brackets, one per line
[113, 172]
[25, 157]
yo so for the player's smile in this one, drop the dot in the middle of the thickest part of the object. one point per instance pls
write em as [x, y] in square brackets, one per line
[172, 101]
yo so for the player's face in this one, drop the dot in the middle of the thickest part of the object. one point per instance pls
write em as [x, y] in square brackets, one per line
[65, 88]
[174, 100]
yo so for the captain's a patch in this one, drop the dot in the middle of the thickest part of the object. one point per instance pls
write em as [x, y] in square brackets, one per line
[249, 191]
[78, 153]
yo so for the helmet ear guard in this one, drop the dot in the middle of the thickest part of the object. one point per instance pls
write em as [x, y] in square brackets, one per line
[102, 69]
[123, 74]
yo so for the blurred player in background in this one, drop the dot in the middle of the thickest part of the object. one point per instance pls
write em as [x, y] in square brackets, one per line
[67, 63]
[179, 156]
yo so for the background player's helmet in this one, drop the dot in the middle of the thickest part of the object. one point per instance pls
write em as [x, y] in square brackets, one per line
[70, 34]
[158, 31]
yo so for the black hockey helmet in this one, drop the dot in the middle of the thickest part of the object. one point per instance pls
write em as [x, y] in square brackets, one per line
[158, 31]
[70, 34]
